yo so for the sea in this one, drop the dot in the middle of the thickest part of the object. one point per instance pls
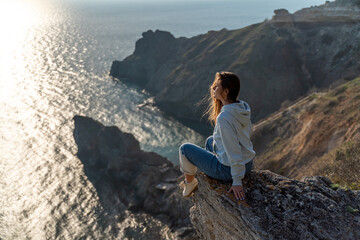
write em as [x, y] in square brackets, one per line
[55, 58]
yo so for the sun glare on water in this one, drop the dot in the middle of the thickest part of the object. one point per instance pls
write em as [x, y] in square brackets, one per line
[16, 16]
[17, 20]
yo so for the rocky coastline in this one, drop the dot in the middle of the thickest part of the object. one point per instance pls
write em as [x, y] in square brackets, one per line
[137, 187]
[131, 182]
[278, 60]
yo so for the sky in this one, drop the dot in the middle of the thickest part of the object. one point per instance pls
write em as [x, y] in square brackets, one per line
[313, 2]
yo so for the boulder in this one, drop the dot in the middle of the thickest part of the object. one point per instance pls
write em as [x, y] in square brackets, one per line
[276, 207]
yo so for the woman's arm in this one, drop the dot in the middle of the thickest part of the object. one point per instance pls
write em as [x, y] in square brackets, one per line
[234, 153]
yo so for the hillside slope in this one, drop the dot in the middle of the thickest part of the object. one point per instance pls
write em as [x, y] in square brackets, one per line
[319, 134]
[276, 60]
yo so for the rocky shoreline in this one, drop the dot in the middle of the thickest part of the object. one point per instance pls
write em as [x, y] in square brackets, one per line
[141, 190]
[131, 182]
[278, 60]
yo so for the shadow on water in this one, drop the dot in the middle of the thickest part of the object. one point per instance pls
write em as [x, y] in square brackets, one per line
[127, 178]
[86, 135]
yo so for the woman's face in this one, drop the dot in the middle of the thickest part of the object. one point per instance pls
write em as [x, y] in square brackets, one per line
[218, 92]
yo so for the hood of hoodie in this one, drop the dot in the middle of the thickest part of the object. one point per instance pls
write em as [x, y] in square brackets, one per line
[239, 112]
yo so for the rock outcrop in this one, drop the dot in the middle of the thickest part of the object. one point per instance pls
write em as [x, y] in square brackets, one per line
[275, 62]
[129, 180]
[276, 207]
[340, 11]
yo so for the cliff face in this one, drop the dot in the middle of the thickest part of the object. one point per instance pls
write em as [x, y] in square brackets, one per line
[138, 189]
[309, 135]
[276, 208]
[275, 62]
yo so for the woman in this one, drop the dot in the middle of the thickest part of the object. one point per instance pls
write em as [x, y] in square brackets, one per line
[228, 153]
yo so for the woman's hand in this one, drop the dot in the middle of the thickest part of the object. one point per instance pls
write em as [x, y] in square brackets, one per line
[238, 192]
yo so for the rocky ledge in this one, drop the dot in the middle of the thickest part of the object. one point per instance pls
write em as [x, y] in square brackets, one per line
[276, 208]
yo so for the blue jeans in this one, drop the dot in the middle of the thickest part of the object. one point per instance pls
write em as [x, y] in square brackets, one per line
[192, 157]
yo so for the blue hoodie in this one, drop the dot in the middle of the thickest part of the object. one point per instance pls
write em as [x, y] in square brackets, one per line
[232, 143]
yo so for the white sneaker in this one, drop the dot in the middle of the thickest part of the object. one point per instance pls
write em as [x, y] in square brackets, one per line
[190, 187]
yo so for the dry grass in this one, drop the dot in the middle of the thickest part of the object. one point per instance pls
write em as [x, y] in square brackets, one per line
[319, 135]
[342, 165]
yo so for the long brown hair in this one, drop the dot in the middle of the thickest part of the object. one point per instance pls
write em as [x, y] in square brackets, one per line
[228, 80]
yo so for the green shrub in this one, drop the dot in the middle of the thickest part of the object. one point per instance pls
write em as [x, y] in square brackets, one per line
[339, 90]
